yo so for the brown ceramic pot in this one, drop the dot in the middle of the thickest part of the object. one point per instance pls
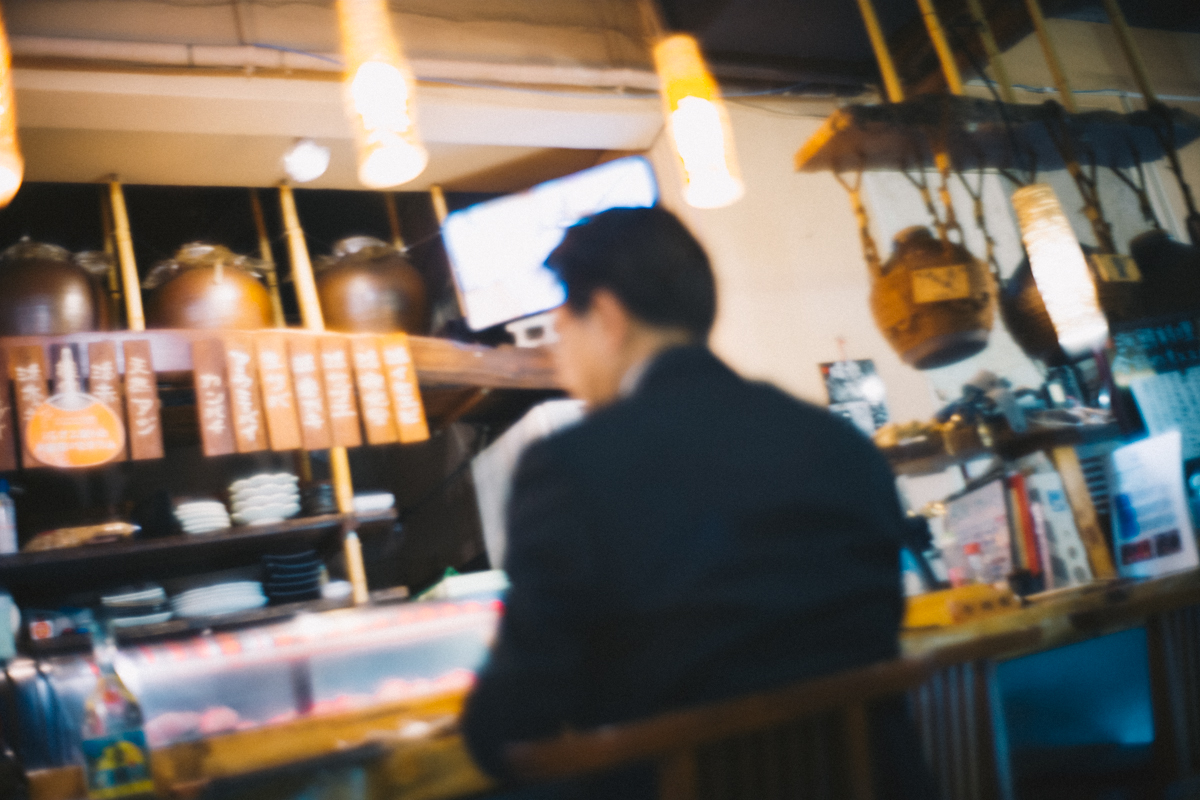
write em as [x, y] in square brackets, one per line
[933, 300]
[370, 287]
[43, 293]
[207, 287]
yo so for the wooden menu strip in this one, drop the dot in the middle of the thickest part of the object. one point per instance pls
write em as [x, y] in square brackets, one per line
[142, 403]
[439, 362]
[279, 401]
[373, 397]
[241, 375]
[8, 433]
[402, 386]
[339, 391]
[103, 379]
[28, 365]
[309, 386]
[212, 399]
[1066, 461]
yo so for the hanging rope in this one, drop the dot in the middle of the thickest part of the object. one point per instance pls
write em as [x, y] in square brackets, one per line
[942, 158]
[1137, 184]
[1086, 183]
[976, 194]
[920, 180]
[870, 252]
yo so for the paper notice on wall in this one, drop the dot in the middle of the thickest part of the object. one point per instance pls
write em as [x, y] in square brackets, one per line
[1152, 531]
[1171, 402]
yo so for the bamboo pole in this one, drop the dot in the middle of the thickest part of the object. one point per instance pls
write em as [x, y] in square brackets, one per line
[945, 55]
[438, 198]
[993, 51]
[113, 276]
[1130, 49]
[1050, 52]
[268, 259]
[135, 317]
[389, 202]
[302, 272]
[310, 313]
[887, 67]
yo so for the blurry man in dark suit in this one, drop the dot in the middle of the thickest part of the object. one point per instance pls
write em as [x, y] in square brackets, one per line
[697, 537]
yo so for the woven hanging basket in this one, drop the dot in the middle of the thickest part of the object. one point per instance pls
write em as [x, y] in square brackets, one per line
[933, 300]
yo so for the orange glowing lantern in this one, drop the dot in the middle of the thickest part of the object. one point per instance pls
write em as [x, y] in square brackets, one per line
[379, 96]
[697, 123]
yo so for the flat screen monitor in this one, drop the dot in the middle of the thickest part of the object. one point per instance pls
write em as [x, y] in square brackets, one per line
[498, 248]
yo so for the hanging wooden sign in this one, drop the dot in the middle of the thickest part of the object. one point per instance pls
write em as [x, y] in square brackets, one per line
[310, 392]
[402, 386]
[8, 434]
[142, 404]
[241, 375]
[372, 390]
[339, 392]
[28, 364]
[103, 381]
[212, 400]
[279, 401]
[73, 429]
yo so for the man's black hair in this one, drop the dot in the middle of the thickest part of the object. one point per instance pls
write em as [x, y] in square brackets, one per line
[647, 259]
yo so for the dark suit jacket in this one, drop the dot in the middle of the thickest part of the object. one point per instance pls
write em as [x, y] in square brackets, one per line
[703, 538]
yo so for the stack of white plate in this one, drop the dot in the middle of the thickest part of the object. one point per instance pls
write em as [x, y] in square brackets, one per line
[202, 516]
[263, 499]
[136, 605]
[222, 598]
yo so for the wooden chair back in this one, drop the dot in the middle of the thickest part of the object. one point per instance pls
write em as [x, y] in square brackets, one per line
[810, 739]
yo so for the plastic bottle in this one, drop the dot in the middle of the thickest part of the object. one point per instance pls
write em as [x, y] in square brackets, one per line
[8, 521]
[115, 756]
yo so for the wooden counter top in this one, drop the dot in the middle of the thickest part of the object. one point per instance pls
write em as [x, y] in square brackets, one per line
[1065, 616]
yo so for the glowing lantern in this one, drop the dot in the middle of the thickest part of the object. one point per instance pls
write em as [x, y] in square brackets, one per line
[1060, 271]
[12, 166]
[698, 124]
[379, 96]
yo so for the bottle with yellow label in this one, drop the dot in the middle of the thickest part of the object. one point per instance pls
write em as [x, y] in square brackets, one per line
[116, 759]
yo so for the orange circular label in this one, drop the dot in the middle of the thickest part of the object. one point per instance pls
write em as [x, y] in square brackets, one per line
[74, 430]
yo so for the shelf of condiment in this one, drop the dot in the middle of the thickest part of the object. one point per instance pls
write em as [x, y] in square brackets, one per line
[979, 132]
[935, 450]
[31, 576]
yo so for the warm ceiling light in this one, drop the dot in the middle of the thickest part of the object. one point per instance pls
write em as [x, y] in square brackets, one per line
[12, 166]
[697, 123]
[1060, 270]
[306, 161]
[379, 96]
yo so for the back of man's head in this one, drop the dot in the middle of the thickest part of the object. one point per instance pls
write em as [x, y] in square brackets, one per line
[647, 259]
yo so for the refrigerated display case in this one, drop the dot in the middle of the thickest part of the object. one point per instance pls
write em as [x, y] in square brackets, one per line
[271, 675]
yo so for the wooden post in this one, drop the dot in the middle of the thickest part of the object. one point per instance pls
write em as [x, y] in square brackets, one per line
[993, 51]
[1051, 55]
[887, 67]
[134, 316]
[268, 258]
[945, 55]
[310, 312]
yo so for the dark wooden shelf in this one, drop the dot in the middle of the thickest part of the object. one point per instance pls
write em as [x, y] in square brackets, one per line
[981, 132]
[48, 574]
[930, 457]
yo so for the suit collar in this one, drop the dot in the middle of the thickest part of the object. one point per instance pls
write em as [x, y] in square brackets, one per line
[678, 363]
